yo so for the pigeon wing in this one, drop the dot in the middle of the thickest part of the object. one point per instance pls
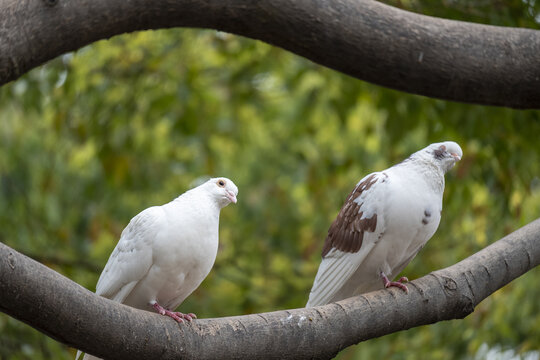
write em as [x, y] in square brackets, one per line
[351, 237]
[132, 257]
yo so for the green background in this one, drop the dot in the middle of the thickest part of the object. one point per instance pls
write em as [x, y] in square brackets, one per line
[93, 137]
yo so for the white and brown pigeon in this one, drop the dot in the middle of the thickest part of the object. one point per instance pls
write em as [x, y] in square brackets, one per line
[385, 221]
[166, 251]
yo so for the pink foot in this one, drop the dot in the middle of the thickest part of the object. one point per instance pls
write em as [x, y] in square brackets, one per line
[178, 316]
[387, 283]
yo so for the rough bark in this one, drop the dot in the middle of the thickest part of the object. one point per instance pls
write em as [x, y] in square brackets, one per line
[371, 41]
[69, 313]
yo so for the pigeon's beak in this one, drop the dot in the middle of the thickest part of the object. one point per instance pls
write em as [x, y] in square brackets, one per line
[231, 196]
[456, 156]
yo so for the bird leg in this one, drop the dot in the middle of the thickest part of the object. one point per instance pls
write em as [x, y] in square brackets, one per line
[178, 316]
[387, 283]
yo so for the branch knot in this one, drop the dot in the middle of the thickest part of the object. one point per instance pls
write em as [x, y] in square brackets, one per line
[50, 3]
[450, 284]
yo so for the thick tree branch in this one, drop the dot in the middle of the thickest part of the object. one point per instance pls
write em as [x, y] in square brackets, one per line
[371, 41]
[69, 313]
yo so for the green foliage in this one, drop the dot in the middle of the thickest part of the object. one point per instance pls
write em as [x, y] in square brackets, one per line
[92, 138]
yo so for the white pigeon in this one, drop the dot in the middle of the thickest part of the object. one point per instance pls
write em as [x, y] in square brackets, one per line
[166, 251]
[384, 223]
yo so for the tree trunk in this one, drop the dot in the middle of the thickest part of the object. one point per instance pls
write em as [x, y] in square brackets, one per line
[419, 54]
[69, 313]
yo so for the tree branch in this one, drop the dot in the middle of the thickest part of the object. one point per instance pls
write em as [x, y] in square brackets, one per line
[435, 57]
[69, 313]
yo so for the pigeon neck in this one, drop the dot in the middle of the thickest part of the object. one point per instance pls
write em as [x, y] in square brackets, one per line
[429, 171]
[202, 199]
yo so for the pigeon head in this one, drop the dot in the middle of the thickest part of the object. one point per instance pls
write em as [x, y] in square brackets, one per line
[444, 154]
[223, 190]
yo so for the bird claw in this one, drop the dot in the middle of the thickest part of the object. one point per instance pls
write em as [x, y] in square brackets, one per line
[399, 284]
[187, 317]
[176, 315]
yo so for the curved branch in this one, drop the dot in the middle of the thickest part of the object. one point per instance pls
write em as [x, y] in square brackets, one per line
[424, 55]
[69, 313]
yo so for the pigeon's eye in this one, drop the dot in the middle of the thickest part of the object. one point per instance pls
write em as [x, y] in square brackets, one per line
[221, 183]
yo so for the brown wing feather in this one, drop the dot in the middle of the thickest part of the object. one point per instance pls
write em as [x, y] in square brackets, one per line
[347, 232]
